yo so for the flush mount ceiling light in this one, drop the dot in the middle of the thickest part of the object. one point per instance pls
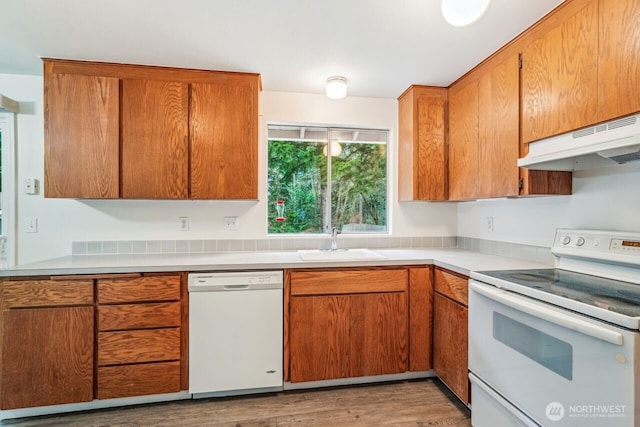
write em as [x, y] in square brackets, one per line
[461, 13]
[336, 87]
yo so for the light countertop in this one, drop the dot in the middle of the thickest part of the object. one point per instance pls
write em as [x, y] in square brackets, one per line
[458, 260]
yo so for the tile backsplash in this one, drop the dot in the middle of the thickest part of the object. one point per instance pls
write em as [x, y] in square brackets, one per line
[510, 250]
[251, 245]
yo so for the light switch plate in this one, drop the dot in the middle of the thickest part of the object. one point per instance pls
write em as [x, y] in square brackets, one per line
[32, 225]
[489, 223]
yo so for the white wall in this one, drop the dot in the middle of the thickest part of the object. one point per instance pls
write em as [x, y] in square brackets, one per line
[408, 218]
[607, 198]
[603, 198]
[62, 221]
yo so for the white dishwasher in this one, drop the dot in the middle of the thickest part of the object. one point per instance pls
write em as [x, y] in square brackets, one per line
[235, 333]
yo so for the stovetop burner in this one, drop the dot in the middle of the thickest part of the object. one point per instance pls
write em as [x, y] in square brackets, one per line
[612, 295]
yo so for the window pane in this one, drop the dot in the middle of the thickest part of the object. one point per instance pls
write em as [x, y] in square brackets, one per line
[548, 351]
[296, 179]
[298, 173]
[359, 181]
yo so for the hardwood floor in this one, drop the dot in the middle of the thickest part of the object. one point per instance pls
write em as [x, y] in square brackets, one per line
[411, 403]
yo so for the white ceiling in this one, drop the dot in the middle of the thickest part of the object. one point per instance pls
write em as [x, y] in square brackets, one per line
[380, 46]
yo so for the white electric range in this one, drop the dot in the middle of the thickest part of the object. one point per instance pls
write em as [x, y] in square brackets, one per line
[559, 346]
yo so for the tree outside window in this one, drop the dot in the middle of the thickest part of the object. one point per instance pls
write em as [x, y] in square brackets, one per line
[320, 178]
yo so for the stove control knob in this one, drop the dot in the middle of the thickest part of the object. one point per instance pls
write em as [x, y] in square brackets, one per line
[566, 240]
[580, 241]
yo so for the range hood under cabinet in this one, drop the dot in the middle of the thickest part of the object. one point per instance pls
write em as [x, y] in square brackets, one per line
[606, 144]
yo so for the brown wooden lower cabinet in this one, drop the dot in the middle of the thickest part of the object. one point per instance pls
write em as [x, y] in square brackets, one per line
[319, 342]
[138, 380]
[47, 356]
[360, 332]
[420, 318]
[140, 335]
[47, 341]
[138, 346]
[450, 345]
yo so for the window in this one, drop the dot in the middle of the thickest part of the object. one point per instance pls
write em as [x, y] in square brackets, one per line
[314, 185]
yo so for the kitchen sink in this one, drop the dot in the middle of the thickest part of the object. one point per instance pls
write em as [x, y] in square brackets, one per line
[339, 255]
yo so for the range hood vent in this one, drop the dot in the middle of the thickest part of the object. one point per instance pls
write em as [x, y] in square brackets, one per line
[606, 144]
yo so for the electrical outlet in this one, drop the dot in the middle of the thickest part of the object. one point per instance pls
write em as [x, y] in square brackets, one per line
[183, 223]
[31, 186]
[231, 223]
[32, 225]
[489, 220]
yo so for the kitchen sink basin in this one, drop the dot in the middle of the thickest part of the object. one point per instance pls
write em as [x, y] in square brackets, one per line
[339, 255]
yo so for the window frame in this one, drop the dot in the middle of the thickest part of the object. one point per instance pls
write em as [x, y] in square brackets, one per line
[328, 209]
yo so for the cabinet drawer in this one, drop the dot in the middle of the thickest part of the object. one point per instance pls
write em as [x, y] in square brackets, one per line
[150, 345]
[46, 293]
[453, 285]
[138, 316]
[138, 380]
[152, 288]
[348, 281]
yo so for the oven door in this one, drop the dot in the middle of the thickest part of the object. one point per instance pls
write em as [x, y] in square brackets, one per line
[554, 365]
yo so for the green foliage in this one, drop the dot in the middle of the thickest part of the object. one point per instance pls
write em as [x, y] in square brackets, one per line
[298, 175]
[359, 185]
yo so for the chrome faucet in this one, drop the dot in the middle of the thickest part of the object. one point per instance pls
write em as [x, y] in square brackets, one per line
[334, 239]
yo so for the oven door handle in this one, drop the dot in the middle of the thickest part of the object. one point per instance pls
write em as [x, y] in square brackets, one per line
[550, 315]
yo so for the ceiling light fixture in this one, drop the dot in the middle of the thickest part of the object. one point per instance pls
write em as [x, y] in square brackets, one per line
[336, 87]
[461, 13]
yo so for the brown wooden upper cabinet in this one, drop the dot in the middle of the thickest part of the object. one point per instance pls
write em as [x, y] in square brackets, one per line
[132, 131]
[463, 140]
[484, 132]
[559, 72]
[81, 123]
[422, 171]
[224, 135]
[155, 146]
[618, 58]
[580, 67]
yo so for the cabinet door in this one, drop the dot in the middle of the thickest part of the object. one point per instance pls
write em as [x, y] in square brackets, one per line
[81, 122]
[47, 356]
[463, 141]
[559, 77]
[450, 345]
[154, 139]
[432, 158]
[420, 318]
[499, 129]
[319, 338]
[618, 58]
[224, 140]
[422, 157]
[378, 334]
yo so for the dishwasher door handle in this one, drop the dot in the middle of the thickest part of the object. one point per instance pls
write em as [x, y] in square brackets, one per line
[235, 287]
